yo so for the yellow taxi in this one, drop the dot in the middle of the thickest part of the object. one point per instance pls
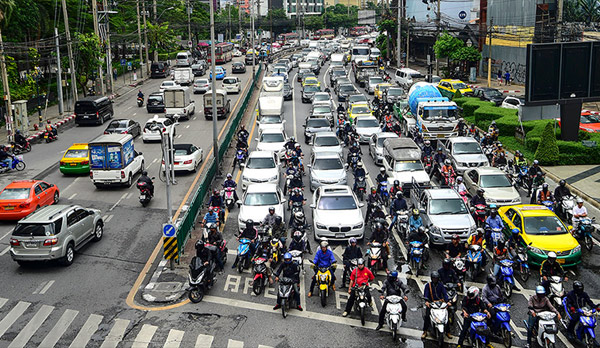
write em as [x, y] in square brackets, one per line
[448, 87]
[543, 232]
[310, 81]
[359, 109]
[76, 160]
[380, 89]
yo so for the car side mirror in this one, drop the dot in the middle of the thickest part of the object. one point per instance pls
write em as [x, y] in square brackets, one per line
[570, 228]
[140, 153]
[360, 205]
[422, 211]
[283, 200]
[313, 206]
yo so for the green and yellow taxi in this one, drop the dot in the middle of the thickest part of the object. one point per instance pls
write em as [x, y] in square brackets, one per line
[380, 89]
[448, 87]
[310, 81]
[543, 232]
[357, 110]
[76, 160]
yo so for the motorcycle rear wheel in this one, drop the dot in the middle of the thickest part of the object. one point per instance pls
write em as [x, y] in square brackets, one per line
[507, 289]
[524, 273]
[394, 331]
[196, 295]
[506, 338]
[20, 166]
[589, 342]
[240, 266]
[588, 242]
[548, 344]
[323, 294]
[257, 286]
[360, 195]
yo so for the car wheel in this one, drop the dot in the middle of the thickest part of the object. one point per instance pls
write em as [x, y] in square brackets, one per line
[24, 263]
[129, 180]
[67, 260]
[98, 232]
[56, 198]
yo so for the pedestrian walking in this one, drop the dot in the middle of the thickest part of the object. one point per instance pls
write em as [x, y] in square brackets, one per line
[499, 77]
[506, 78]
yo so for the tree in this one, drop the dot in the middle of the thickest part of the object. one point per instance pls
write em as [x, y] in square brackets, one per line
[314, 22]
[446, 45]
[161, 38]
[547, 151]
[590, 10]
[89, 57]
[389, 26]
[466, 54]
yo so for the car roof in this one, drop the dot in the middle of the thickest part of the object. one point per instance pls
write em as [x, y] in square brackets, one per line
[257, 188]
[336, 190]
[157, 119]
[462, 140]
[182, 146]
[272, 131]
[78, 146]
[383, 84]
[531, 209]
[442, 193]
[489, 170]
[451, 80]
[48, 213]
[22, 183]
[367, 118]
[261, 154]
[386, 135]
[325, 134]
[326, 155]
[487, 89]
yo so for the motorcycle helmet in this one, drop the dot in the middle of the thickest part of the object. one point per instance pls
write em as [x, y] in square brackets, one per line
[292, 139]
[211, 226]
[493, 123]
[297, 236]
[271, 209]
[579, 200]
[360, 261]
[378, 226]
[480, 191]
[480, 231]
[215, 192]
[296, 145]
[439, 149]
[416, 212]
[446, 263]
[382, 170]
[352, 240]
[518, 153]
[578, 286]
[455, 237]
[249, 223]
[278, 220]
[396, 183]
[399, 195]
[447, 162]
[373, 189]
[472, 292]
[427, 142]
[216, 209]
[435, 275]
[499, 145]
[393, 275]
[491, 280]
[229, 176]
[287, 258]
[200, 247]
[545, 185]
[144, 172]
[536, 162]
[562, 183]
[551, 256]
[324, 244]
[299, 215]
[459, 179]
[359, 165]
[540, 290]
[516, 231]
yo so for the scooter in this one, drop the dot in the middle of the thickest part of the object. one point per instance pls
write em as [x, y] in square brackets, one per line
[240, 159]
[500, 323]
[140, 102]
[260, 275]
[17, 163]
[565, 207]
[298, 257]
[495, 235]
[451, 291]
[297, 207]
[354, 159]
[584, 230]
[479, 213]
[507, 279]
[416, 256]
[20, 148]
[402, 223]
[286, 294]
[428, 164]
[521, 178]
[522, 265]
[228, 194]
[548, 204]
[546, 329]
[348, 270]
[49, 136]
[438, 318]
[360, 187]
[474, 261]
[460, 269]
[200, 279]
[374, 259]
[584, 329]
[145, 195]
[557, 290]
[384, 193]
[477, 330]
[393, 314]
[276, 250]
[323, 281]
[243, 254]
[361, 304]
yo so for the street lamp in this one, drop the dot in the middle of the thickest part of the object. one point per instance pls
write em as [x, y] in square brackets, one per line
[163, 12]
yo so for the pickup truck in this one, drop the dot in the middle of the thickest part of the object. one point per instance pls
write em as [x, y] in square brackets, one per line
[113, 160]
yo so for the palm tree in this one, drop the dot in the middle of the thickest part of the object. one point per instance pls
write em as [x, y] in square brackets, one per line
[590, 10]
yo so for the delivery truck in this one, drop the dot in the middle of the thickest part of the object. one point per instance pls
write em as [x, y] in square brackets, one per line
[113, 160]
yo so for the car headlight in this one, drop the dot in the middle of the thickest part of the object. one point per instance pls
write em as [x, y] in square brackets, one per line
[516, 200]
[355, 227]
[490, 200]
[435, 230]
[537, 250]
[321, 227]
[576, 250]
[462, 164]
[472, 229]
[273, 178]
[245, 178]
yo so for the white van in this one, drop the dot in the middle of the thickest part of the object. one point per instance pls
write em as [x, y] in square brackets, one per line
[406, 77]
[184, 59]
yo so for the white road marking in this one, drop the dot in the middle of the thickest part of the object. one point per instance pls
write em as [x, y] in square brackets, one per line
[3, 301]
[235, 344]
[4, 251]
[135, 113]
[144, 337]
[46, 287]
[89, 328]
[12, 316]
[188, 126]
[204, 341]
[193, 118]
[117, 202]
[116, 334]
[72, 183]
[32, 326]
[6, 234]
[129, 107]
[174, 339]
[59, 329]
[108, 218]
[72, 196]
[179, 136]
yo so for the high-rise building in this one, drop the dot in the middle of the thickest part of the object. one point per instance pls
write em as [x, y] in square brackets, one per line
[306, 7]
[358, 3]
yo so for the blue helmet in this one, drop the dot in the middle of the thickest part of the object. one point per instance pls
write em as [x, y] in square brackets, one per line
[393, 275]
[516, 231]
[540, 290]
[287, 257]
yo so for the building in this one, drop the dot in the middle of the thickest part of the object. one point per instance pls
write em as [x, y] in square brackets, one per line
[357, 3]
[307, 7]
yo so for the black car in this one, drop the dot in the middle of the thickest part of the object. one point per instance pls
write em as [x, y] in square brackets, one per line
[160, 69]
[238, 67]
[155, 103]
[124, 126]
[490, 94]
[287, 91]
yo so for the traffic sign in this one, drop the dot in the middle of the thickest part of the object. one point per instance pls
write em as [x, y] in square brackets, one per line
[170, 248]
[168, 230]
[123, 61]
[190, 44]
[462, 15]
[129, 66]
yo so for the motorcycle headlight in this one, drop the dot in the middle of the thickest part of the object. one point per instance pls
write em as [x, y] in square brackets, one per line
[321, 227]
[576, 250]
[537, 250]
[355, 227]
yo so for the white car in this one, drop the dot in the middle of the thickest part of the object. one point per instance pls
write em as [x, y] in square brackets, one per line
[270, 122]
[151, 133]
[237, 53]
[512, 102]
[376, 145]
[261, 167]
[497, 186]
[327, 142]
[372, 83]
[323, 98]
[326, 169]
[365, 127]
[336, 213]
[465, 153]
[272, 140]
[187, 157]
[256, 202]
[201, 86]
[232, 84]
[167, 85]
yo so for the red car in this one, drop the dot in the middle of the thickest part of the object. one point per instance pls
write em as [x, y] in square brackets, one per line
[588, 122]
[22, 197]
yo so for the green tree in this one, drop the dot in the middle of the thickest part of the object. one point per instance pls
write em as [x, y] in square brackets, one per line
[446, 45]
[161, 38]
[590, 10]
[466, 54]
[89, 57]
[314, 22]
[390, 26]
[547, 151]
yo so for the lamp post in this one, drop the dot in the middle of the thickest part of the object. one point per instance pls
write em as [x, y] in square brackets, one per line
[156, 22]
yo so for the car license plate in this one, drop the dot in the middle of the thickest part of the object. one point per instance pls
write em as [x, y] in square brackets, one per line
[73, 164]
[560, 260]
[9, 208]
[339, 235]
[441, 135]
[86, 117]
[31, 244]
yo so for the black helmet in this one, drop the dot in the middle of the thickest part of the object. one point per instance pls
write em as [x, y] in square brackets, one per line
[297, 236]
[144, 172]
[271, 209]
[199, 246]
[396, 182]
[578, 286]
[249, 223]
[447, 263]
[378, 226]
[435, 275]
[491, 280]
[278, 220]
[562, 182]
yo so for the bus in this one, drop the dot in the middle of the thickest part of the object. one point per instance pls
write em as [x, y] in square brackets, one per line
[358, 31]
[223, 52]
[324, 34]
[288, 38]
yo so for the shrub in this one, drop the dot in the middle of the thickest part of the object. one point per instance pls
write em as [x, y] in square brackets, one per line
[547, 151]
[457, 95]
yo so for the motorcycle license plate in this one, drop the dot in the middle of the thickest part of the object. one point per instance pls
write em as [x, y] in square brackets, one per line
[339, 235]
[142, 197]
[560, 260]
[45, 137]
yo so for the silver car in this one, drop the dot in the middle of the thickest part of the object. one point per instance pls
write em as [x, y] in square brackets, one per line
[327, 142]
[322, 111]
[201, 86]
[326, 169]
[372, 83]
[261, 167]
[336, 213]
[55, 232]
[376, 145]
[365, 127]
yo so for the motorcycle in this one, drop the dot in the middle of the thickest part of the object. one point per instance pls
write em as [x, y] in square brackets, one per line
[361, 304]
[297, 207]
[462, 194]
[228, 195]
[565, 207]
[521, 263]
[16, 163]
[243, 254]
[360, 187]
[448, 178]
[428, 164]
[495, 235]
[354, 159]
[479, 213]
[546, 329]
[506, 278]
[140, 102]
[500, 323]
[521, 178]
[584, 329]
[416, 256]
[438, 318]
[20, 148]
[240, 159]
[49, 136]
[536, 183]
[557, 290]
[474, 261]
[384, 193]
[324, 277]
[451, 291]
[393, 314]
[286, 294]
[200, 278]
[219, 212]
[477, 330]
[276, 249]
[374, 259]
[460, 268]
[402, 223]
[488, 151]
[260, 275]
[145, 195]
[548, 204]
[584, 230]
[298, 257]
[348, 270]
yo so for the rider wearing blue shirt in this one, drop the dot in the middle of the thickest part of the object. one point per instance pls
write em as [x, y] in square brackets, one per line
[324, 258]
[229, 182]
[415, 221]
[397, 205]
[211, 217]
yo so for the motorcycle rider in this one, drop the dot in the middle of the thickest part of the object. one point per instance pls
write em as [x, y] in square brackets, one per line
[471, 303]
[396, 188]
[373, 200]
[229, 182]
[561, 190]
[491, 294]
[439, 158]
[243, 134]
[462, 126]
[340, 109]
[499, 160]
[354, 149]
[251, 234]
[473, 131]
[278, 229]
[447, 274]
[297, 197]
[211, 217]
[447, 171]
[148, 181]
[427, 149]
[486, 140]
[478, 198]
[455, 248]
[50, 128]
[420, 235]
[392, 287]
[359, 276]
[289, 269]
[538, 303]
[415, 221]
[545, 194]
[358, 172]
[140, 95]
[324, 258]
[380, 235]
[519, 160]
[579, 212]
[500, 253]
[265, 251]
[298, 243]
[205, 256]
[577, 299]
[550, 268]
[290, 144]
[493, 221]
[378, 213]
[242, 145]
[381, 177]
[296, 182]
[479, 239]
[20, 139]
[533, 171]
[399, 204]
[271, 218]
[433, 291]
[215, 238]
[514, 241]
[460, 185]
[493, 131]
[291, 170]
[351, 252]
[216, 201]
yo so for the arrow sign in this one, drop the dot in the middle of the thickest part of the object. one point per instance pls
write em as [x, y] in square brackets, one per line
[169, 230]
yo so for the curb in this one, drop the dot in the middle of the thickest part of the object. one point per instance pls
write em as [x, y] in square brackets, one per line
[58, 124]
[574, 190]
[503, 91]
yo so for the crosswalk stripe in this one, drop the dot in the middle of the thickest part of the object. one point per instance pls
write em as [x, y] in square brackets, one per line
[12, 316]
[261, 346]
[174, 339]
[89, 327]
[116, 333]
[3, 301]
[204, 341]
[38, 319]
[144, 337]
[235, 344]
[59, 328]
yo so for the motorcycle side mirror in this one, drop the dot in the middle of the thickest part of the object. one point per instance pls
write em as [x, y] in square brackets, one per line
[139, 153]
[242, 164]
[313, 206]
[360, 205]
[153, 178]
[256, 139]
[570, 228]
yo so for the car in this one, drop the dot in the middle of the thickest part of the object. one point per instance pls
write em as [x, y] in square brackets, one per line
[308, 92]
[261, 167]
[124, 126]
[343, 80]
[281, 72]
[357, 110]
[238, 68]
[326, 169]
[588, 122]
[541, 231]
[287, 91]
[302, 73]
[489, 94]
[232, 84]
[256, 202]
[286, 62]
[22, 197]
[272, 140]
[512, 102]
[54, 233]
[344, 91]
[498, 188]
[160, 69]
[155, 103]
[280, 67]
[198, 69]
[270, 122]
[394, 95]
[356, 99]
[220, 73]
[150, 134]
[323, 98]
[166, 85]
[322, 110]
[76, 160]
[335, 74]
[315, 125]
[464, 152]
[381, 89]
[365, 127]
[327, 142]
[448, 87]
[310, 80]
[237, 53]
[187, 157]
[201, 86]
[372, 83]
[376, 145]
[336, 213]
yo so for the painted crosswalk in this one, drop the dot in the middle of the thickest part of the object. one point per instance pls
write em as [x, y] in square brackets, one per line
[23, 324]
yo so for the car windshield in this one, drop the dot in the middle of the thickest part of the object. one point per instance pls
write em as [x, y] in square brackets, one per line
[317, 123]
[542, 225]
[467, 148]
[155, 98]
[366, 123]
[270, 119]
[357, 98]
[261, 198]
[360, 51]
[181, 152]
[492, 93]
[272, 138]
[311, 89]
[337, 203]
[361, 110]
[15, 193]
[495, 180]
[76, 153]
[37, 230]
[375, 80]
[118, 124]
[338, 72]
[346, 88]
[447, 206]
[322, 97]
[395, 91]
[383, 88]
[230, 80]
[589, 119]
[459, 85]
[408, 166]
[343, 80]
[260, 163]
[439, 114]
[218, 70]
[328, 164]
[322, 110]
[327, 141]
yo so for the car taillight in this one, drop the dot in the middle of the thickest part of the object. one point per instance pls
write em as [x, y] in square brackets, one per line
[97, 114]
[164, 130]
[163, 162]
[62, 163]
[51, 241]
[91, 175]
[105, 132]
[188, 162]
[85, 162]
[14, 242]
[122, 174]
[124, 132]
[24, 205]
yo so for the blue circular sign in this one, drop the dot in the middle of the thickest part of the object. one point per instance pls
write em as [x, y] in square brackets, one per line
[462, 15]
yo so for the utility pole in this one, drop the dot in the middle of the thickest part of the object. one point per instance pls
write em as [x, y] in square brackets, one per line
[559, 19]
[139, 29]
[59, 76]
[146, 39]
[6, 87]
[229, 18]
[399, 38]
[439, 20]
[270, 14]
[407, 43]
[240, 17]
[97, 32]
[155, 11]
[489, 74]
[253, 43]
[70, 52]
[213, 85]
[109, 77]
[189, 13]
